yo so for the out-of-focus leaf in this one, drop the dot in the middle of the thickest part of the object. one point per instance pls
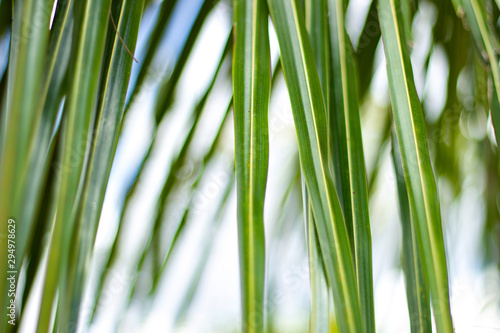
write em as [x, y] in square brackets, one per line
[167, 86]
[181, 158]
[40, 208]
[491, 237]
[495, 115]
[113, 254]
[365, 49]
[153, 43]
[386, 136]
[445, 134]
[168, 185]
[485, 40]
[166, 94]
[206, 247]
[44, 222]
[187, 213]
[288, 224]
[152, 246]
[5, 16]
[28, 46]
[50, 96]
[407, 18]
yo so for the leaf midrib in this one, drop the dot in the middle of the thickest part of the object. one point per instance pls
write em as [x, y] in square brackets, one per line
[251, 187]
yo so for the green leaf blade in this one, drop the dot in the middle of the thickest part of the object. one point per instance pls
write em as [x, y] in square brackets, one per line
[419, 176]
[317, 26]
[310, 122]
[320, 307]
[24, 75]
[115, 79]
[251, 86]
[417, 292]
[349, 149]
[91, 19]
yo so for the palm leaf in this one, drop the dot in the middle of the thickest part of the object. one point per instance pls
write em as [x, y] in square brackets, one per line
[68, 82]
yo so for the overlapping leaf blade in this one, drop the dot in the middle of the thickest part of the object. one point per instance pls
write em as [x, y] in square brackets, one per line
[417, 169]
[309, 114]
[320, 309]
[317, 26]
[91, 21]
[417, 292]
[44, 164]
[347, 147]
[28, 46]
[114, 82]
[42, 147]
